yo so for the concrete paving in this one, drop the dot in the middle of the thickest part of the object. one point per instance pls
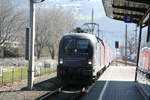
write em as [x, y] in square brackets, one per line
[116, 83]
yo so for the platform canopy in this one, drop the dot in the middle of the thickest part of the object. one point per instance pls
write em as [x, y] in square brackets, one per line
[118, 9]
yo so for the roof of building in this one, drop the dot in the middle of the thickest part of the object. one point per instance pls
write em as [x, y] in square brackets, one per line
[117, 9]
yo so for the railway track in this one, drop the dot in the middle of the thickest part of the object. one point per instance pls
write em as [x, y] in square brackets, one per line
[62, 94]
[68, 93]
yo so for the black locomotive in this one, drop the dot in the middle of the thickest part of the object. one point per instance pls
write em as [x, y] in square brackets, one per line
[81, 58]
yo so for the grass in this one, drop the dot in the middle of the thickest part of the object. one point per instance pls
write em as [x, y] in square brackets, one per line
[17, 74]
[44, 71]
[20, 73]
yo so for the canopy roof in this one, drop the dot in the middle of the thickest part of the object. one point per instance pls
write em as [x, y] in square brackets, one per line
[116, 9]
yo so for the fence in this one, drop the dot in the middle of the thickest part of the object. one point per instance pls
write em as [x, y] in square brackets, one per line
[11, 74]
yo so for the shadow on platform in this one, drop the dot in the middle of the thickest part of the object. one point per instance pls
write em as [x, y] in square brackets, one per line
[115, 90]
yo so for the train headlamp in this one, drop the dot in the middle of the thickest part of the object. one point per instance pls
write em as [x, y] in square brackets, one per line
[60, 61]
[89, 62]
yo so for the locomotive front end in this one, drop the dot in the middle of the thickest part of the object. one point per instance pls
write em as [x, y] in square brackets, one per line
[75, 60]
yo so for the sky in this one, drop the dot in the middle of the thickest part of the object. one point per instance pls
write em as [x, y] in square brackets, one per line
[112, 30]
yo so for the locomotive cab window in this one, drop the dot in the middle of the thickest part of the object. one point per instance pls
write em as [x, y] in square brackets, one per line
[82, 45]
[69, 45]
[76, 45]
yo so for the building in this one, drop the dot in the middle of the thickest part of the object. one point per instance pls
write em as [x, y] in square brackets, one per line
[9, 49]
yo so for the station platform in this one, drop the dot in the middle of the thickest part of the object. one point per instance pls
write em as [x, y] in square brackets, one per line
[116, 83]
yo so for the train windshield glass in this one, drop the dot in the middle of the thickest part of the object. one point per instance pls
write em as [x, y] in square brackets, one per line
[69, 45]
[82, 44]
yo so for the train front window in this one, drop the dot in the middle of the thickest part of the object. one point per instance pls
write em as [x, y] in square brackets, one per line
[82, 45]
[69, 45]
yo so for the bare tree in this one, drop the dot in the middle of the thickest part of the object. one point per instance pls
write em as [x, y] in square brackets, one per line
[64, 22]
[131, 47]
[50, 25]
[10, 21]
[42, 31]
[131, 44]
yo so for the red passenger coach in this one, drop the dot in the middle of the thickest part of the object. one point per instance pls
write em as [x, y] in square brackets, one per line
[107, 55]
[145, 58]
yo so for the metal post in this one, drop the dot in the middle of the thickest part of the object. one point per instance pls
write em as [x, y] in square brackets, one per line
[138, 52]
[21, 73]
[92, 21]
[136, 41]
[40, 71]
[102, 35]
[98, 31]
[2, 77]
[116, 56]
[126, 45]
[45, 70]
[32, 38]
[13, 75]
[27, 44]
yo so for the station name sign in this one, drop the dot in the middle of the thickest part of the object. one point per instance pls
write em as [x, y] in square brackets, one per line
[128, 18]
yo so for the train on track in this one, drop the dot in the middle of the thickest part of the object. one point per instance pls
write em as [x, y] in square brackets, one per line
[82, 58]
[144, 59]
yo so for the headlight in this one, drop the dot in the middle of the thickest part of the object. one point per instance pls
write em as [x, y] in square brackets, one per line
[60, 61]
[89, 62]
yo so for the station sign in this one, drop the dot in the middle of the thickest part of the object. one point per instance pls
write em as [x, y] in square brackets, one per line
[128, 18]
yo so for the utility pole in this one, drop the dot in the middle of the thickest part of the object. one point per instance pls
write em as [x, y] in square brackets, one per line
[126, 45]
[98, 30]
[136, 40]
[116, 46]
[138, 51]
[116, 57]
[32, 42]
[92, 21]
[102, 35]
